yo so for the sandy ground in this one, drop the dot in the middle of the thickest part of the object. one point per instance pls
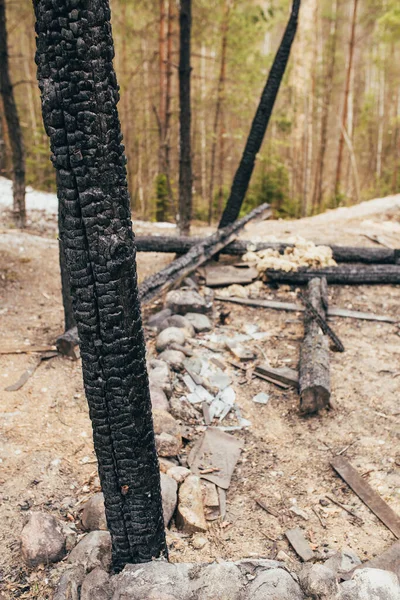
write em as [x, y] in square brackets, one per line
[46, 454]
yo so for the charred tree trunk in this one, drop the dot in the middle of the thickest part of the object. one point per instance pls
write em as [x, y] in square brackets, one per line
[181, 245]
[79, 98]
[13, 125]
[260, 123]
[185, 151]
[345, 274]
[69, 318]
[314, 375]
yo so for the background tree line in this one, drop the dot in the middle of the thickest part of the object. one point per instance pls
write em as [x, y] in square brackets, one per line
[334, 134]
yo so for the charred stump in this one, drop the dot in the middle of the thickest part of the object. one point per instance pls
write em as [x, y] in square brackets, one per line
[314, 374]
[79, 102]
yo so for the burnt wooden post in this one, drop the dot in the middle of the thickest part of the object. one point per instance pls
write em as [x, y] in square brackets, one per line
[79, 103]
[314, 375]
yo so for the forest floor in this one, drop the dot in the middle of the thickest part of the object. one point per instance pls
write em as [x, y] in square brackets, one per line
[46, 454]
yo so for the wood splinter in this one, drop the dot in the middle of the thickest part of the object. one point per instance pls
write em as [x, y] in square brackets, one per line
[314, 375]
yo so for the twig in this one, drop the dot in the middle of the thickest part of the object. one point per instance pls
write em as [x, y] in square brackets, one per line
[344, 507]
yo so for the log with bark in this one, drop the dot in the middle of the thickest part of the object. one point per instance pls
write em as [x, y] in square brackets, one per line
[185, 265]
[347, 254]
[352, 274]
[314, 375]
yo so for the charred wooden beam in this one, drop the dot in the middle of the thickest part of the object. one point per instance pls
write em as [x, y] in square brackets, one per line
[195, 257]
[314, 374]
[347, 254]
[353, 274]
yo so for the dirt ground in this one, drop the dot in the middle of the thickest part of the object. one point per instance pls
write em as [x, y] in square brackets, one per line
[46, 453]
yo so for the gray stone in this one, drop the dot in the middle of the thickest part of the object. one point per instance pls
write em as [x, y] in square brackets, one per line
[190, 283]
[70, 534]
[200, 322]
[371, 584]
[342, 562]
[180, 322]
[94, 550]
[157, 580]
[179, 474]
[70, 584]
[174, 358]
[42, 540]
[275, 584]
[222, 581]
[168, 433]
[159, 400]
[171, 335]
[182, 302]
[182, 409]
[167, 445]
[160, 375]
[199, 542]
[319, 582]
[155, 320]
[194, 364]
[169, 493]
[190, 514]
[96, 586]
[94, 515]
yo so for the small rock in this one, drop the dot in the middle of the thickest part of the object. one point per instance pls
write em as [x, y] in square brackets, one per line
[166, 464]
[182, 409]
[283, 556]
[274, 584]
[71, 536]
[371, 584]
[174, 358]
[42, 540]
[200, 322]
[94, 550]
[155, 320]
[157, 580]
[171, 335]
[182, 302]
[160, 375]
[319, 582]
[180, 322]
[70, 584]
[220, 380]
[299, 512]
[190, 515]
[169, 493]
[178, 473]
[218, 581]
[198, 542]
[167, 445]
[342, 562]
[261, 398]
[164, 422]
[159, 400]
[96, 586]
[94, 515]
[194, 364]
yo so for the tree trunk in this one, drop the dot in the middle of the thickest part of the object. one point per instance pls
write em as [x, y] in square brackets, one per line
[218, 106]
[345, 101]
[341, 254]
[260, 123]
[69, 318]
[185, 152]
[79, 97]
[13, 125]
[345, 274]
[314, 375]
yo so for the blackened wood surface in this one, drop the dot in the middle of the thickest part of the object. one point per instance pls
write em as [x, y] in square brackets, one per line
[314, 374]
[181, 244]
[79, 98]
[260, 122]
[344, 274]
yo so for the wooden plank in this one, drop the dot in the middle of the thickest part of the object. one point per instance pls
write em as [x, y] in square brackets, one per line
[365, 492]
[27, 349]
[284, 374]
[291, 306]
[299, 543]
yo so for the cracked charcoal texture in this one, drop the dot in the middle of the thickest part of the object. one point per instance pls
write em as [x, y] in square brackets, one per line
[260, 123]
[79, 97]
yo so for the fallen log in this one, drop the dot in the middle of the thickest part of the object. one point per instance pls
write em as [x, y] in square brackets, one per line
[314, 373]
[353, 274]
[181, 245]
[195, 257]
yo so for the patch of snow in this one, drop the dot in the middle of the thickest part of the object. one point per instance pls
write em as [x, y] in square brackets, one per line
[34, 200]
